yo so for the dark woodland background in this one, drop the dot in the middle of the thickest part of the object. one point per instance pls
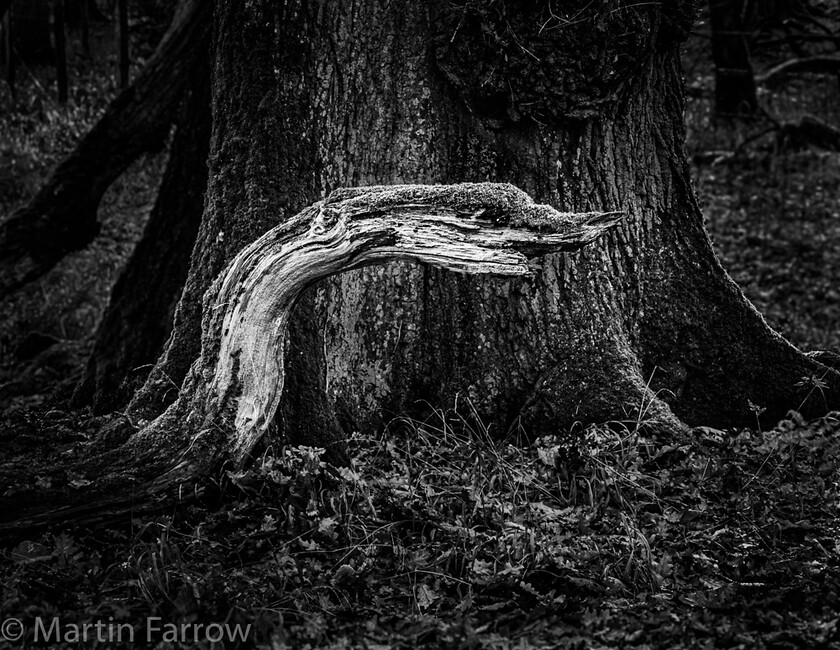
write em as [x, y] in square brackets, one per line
[429, 539]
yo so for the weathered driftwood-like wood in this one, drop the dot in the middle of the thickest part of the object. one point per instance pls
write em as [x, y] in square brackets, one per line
[472, 228]
[232, 391]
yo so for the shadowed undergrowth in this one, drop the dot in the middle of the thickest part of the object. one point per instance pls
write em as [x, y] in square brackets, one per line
[439, 536]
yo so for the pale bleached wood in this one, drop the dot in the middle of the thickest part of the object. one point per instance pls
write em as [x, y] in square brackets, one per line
[232, 391]
[471, 228]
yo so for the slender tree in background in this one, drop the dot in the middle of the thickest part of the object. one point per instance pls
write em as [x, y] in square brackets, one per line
[734, 80]
[84, 19]
[8, 46]
[26, 35]
[581, 108]
[32, 33]
[139, 315]
[61, 217]
[60, 50]
[123, 39]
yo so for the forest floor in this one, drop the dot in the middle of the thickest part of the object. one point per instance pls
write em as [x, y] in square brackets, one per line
[439, 536]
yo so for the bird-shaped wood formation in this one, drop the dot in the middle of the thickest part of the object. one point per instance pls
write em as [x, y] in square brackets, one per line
[492, 228]
[232, 392]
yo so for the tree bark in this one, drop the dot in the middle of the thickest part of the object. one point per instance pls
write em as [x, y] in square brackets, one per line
[472, 228]
[233, 391]
[62, 215]
[139, 316]
[255, 182]
[123, 40]
[584, 111]
[734, 81]
[646, 325]
[9, 50]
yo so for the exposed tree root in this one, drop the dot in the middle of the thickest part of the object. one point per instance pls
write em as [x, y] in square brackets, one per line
[96, 483]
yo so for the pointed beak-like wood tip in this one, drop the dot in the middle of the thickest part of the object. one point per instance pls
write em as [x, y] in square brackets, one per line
[599, 222]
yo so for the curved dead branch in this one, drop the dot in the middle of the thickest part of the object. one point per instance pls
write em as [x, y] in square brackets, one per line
[470, 228]
[231, 393]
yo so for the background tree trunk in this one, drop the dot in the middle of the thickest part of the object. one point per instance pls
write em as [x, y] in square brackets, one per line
[123, 39]
[734, 81]
[4, 5]
[60, 50]
[62, 215]
[32, 33]
[9, 56]
[79, 11]
[139, 316]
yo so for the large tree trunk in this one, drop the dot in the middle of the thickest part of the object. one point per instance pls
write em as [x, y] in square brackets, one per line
[61, 217]
[254, 183]
[645, 325]
[583, 111]
[138, 319]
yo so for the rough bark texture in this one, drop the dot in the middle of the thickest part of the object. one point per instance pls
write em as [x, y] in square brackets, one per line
[62, 215]
[583, 111]
[138, 319]
[734, 81]
[233, 391]
[261, 172]
[471, 228]
[598, 335]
